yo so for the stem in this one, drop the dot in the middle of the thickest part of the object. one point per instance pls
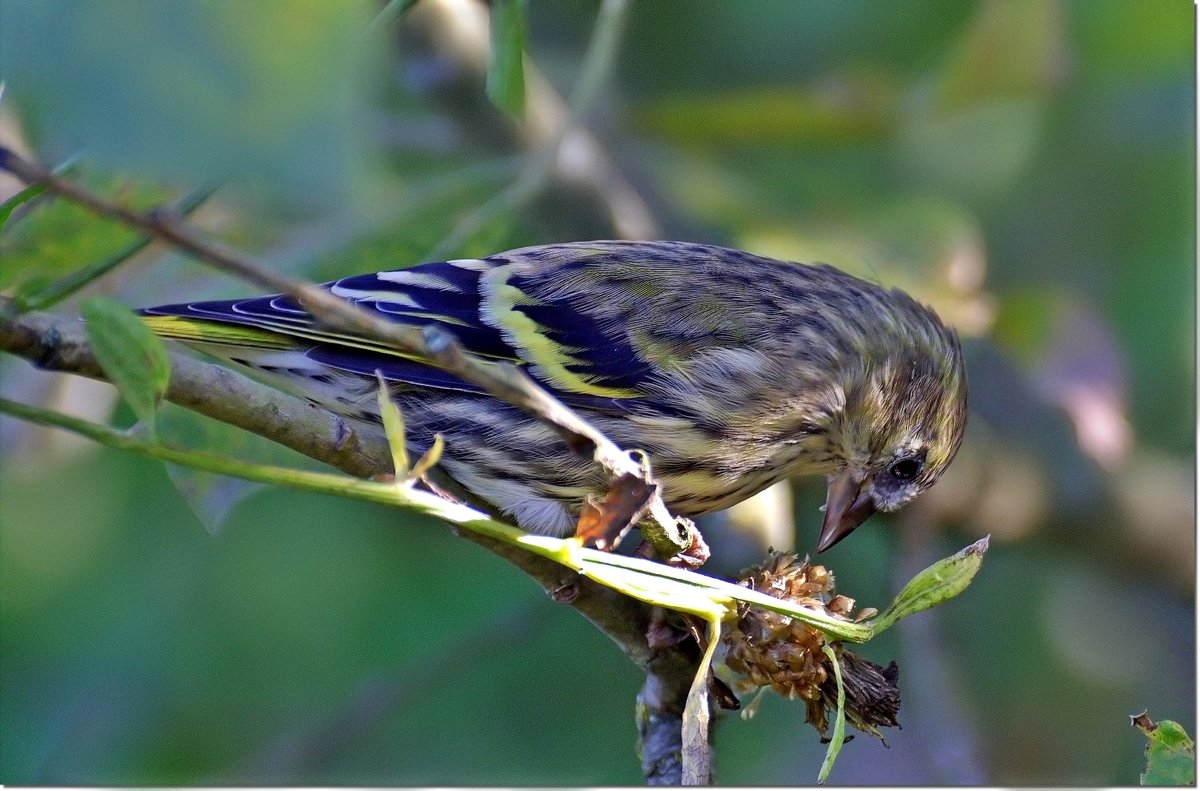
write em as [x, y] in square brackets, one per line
[624, 619]
[532, 180]
[305, 480]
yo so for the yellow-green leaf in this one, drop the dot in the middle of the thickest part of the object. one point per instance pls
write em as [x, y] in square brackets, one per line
[393, 427]
[25, 195]
[30, 192]
[940, 582]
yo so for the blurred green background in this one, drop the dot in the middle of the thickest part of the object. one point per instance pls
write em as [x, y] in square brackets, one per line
[1025, 166]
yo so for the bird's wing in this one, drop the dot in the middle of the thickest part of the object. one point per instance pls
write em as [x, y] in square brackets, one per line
[573, 316]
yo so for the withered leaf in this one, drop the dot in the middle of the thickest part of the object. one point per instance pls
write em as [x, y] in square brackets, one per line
[603, 524]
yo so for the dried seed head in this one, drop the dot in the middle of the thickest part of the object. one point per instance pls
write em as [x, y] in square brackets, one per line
[776, 651]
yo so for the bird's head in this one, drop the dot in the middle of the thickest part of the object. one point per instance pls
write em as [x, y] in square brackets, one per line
[900, 426]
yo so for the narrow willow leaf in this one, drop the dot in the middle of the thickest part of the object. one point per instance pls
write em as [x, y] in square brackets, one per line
[41, 293]
[506, 62]
[651, 589]
[839, 722]
[55, 235]
[133, 357]
[393, 426]
[213, 497]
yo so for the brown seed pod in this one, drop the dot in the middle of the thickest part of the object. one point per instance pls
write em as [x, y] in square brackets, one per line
[777, 651]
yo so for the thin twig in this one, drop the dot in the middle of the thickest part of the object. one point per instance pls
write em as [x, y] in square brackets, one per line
[56, 344]
[552, 128]
[502, 380]
[532, 180]
[68, 284]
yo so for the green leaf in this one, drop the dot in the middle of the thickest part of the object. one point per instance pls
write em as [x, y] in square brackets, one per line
[863, 109]
[56, 236]
[213, 497]
[25, 195]
[30, 192]
[506, 62]
[133, 357]
[40, 293]
[1032, 34]
[430, 458]
[839, 722]
[1170, 753]
[940, 582]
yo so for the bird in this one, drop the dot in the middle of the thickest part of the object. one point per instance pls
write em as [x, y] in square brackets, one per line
[731, 371]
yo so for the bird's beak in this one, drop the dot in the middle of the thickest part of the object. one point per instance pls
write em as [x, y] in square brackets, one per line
[846, 507]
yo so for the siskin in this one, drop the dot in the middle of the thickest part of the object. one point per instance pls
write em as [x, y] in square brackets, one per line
[732, 371]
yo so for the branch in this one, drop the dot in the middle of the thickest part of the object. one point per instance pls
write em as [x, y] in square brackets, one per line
[670, 535]
[551, 129]
[57, 344]
[561, 147]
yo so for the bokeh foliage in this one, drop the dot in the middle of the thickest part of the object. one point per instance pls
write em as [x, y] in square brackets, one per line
[1027, 167]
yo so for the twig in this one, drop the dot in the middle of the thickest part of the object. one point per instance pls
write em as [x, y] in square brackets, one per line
[55, 344]
[623, 618]
[551, 129]
[597, 64]
[72, 282]
[504, 381]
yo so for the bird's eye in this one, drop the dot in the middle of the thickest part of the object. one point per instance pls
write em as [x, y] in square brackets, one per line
[905, 469]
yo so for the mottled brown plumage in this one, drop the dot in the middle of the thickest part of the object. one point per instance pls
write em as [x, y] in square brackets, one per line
[733, 371]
